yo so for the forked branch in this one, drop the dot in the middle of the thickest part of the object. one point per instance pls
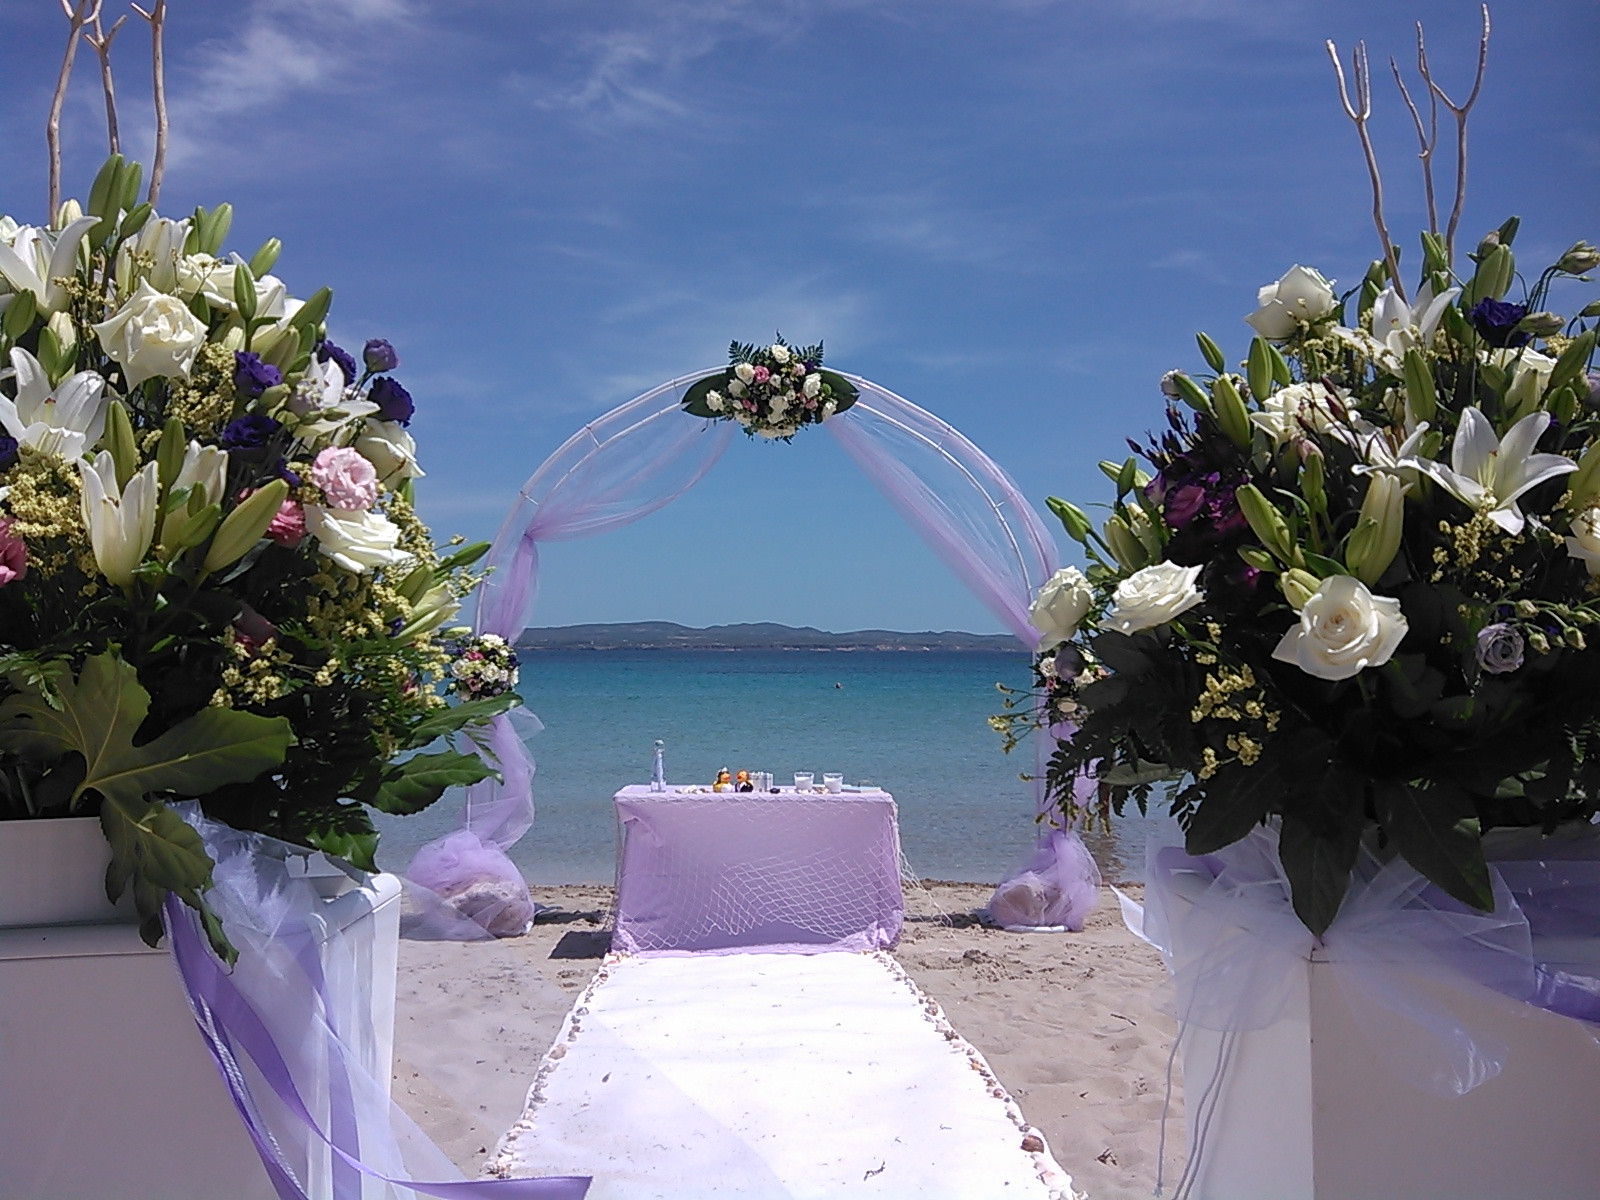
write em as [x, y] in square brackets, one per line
[1460, 112]
[1427, 138]
[100, 39]
[79, 14]
[157, 17]
[1360, 111]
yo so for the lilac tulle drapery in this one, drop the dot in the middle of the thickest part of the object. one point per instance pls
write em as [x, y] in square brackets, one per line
[289, 1027]
[640, 457]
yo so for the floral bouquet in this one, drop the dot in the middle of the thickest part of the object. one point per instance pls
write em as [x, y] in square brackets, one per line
[1355, 587]
[482, 666]
[771, 390]
[213, 585]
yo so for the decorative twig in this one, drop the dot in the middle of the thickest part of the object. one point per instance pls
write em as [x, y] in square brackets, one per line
[101, 41]
[157, 16]
[1359, 113]
[78, 13]
[1460, 111]
[1427, 139]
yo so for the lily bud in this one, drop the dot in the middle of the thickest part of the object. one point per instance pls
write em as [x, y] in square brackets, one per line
[66, 333]
[1267, 523]
[1298, 585]
[1542, 324]
[170, 451]
[245, 525]
[435, 607]
[1189, 391]
[264, 259]
[415, 584]
[1582, 257]
[119, 440]
[1072, 518]
[1259, 559]
[1126, 548]
[1259, 368]
[1313, 478]
[1230, 411]
[1421, 394]
[1211, 352]
[1376, 539]
[1584, 483]
[1493, 276]
[1522, 397]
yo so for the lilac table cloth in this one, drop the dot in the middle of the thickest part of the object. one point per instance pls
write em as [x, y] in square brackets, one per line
[702, 872]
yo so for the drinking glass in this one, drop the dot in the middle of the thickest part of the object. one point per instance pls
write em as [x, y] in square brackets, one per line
[833, 781]
[804, 781]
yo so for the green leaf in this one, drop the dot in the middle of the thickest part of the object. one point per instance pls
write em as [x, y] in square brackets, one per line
[1317, 860]
[471, 712]
[159, 852]
[1134, 773]
[1222, 819]
[844, 392]
[100, 711]
[411, 786]
[1435, 828]
[694, 400]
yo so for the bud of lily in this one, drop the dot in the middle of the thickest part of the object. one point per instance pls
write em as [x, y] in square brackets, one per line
[197, 527]
[66, 333]
[1522, 397]
[1259, 368]
[1421, 393]
[1376, 538]
[1582, 257]
[1493, 276]
[169, 451]
[18, 318]
[119, 440]
[1585, 481]
[1211, 352]
[1267, 523]
[1298, 585]
[1126, 548]
[1542, 324]
[412, 587]
[1072, 518]
[1259, 559]
[436, 607]
[264, 259]
[1144, 529]
[1230, 412]
[1191, 392]
[246, 525]
[1313, 478]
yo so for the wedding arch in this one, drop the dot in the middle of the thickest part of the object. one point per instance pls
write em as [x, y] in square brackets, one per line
[638, 458]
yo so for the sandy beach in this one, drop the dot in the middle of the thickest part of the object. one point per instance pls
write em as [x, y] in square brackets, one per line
[1072, 1024]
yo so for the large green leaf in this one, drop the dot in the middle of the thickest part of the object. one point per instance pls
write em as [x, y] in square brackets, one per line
[159, 852]
[844, 392]
[446, 721]
[97, 715]
[1317, 859]
[1435, 828]
[412, 785]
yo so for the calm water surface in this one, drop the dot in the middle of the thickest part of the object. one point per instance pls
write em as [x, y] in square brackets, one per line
[913, 723]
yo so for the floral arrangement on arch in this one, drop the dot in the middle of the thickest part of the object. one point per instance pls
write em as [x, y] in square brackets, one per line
[1353, 587]
[771, 391]
[213, 583]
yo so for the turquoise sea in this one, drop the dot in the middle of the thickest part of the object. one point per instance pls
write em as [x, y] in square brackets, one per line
[913, 723]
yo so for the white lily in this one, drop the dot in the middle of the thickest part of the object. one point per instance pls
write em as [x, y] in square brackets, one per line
[203, 467]
[121, 523]
[324, 403]
[1489, 473]
[1401, 326]
[63, 421]
[36, 258]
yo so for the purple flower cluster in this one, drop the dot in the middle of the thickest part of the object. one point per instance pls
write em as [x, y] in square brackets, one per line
[328, 352]
[379, 356]
[252, 376]
[1198, 504]
[249, 432]
[1500, 648]
[393, 401]
[1496, 322]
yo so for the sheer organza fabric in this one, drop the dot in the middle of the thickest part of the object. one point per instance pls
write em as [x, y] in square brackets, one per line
[637, 459]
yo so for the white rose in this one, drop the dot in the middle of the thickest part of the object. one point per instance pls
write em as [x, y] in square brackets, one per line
[829, 407]
[714, 401]
[1299, 298]
[745, 372]
[391, 451]
[1343, 628]
[1060, 606]
[152, 334]
[1585, 540]
[813, 385]
[780, 353]
[357, 541]
[1153, 596]
[735, 388]
[1301, 408]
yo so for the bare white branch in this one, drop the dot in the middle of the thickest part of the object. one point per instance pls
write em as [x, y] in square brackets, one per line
[1360, 111]
[1427, 137]
[1460, 112]
[100, 39]
[157, 17]
[79, 13]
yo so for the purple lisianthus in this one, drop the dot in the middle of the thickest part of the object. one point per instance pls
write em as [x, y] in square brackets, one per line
[393, 401]
[252, 376]
[8, 451]
[282, 471]
[1500, 648]
[249, 432]
[328, 352]
[1496, 322]
[1592, 380]
[379, 356]
[1199, 506]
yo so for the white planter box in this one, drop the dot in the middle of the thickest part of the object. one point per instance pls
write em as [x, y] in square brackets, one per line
[1308, 1111]
[106, 1088]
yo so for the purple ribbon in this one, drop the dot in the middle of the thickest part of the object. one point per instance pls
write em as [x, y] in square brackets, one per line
[229, 1024]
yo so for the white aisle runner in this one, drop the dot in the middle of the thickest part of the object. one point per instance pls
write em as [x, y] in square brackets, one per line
[772, 1077]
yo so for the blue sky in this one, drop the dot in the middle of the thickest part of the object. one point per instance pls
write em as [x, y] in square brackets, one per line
[1015, 213]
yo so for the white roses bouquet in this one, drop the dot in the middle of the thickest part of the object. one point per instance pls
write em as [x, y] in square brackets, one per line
[213, 585]
[1354, 587]
[771, 391]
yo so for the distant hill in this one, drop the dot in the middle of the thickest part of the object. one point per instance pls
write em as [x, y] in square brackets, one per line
[666, 635]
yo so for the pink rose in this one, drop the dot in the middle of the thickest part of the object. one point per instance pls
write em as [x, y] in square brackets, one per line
[762, 375]
[348, 481]
[288, 528]
[13, 554]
